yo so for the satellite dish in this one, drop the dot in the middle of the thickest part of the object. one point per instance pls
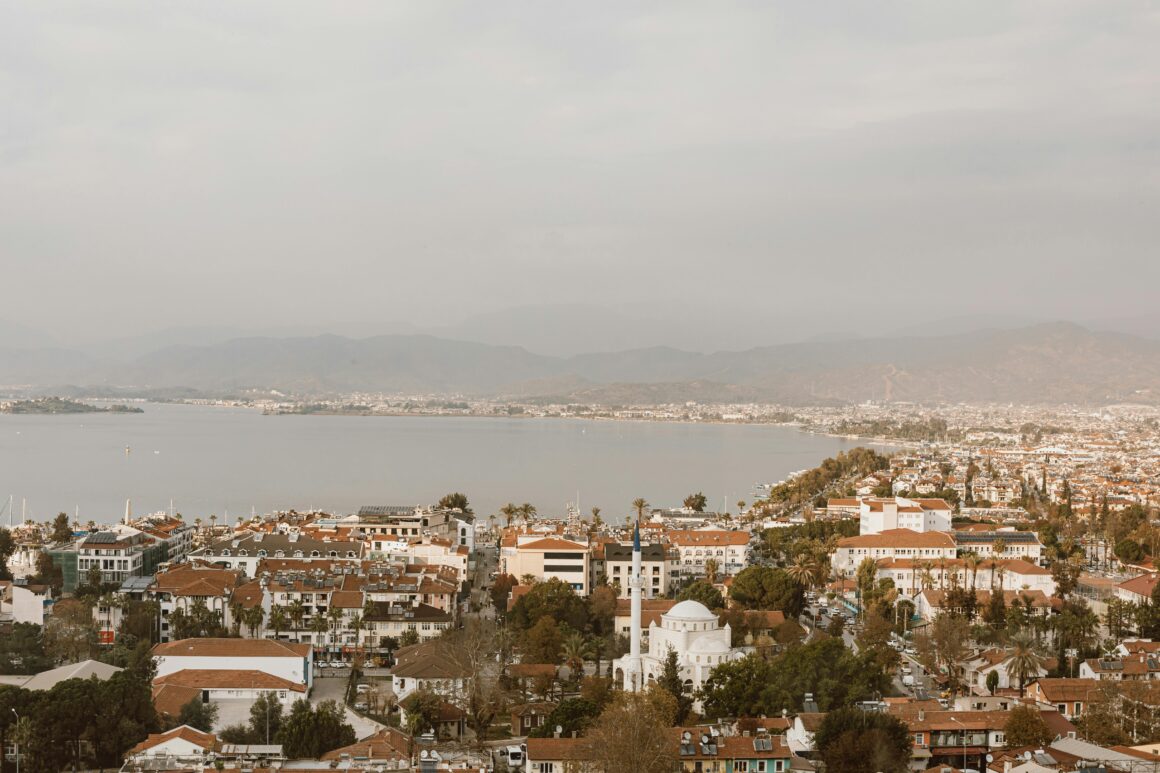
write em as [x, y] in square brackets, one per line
[686, 736]
[559, 729]
[990, 758]
[1027, 756]
[704, 738]
[423, 754]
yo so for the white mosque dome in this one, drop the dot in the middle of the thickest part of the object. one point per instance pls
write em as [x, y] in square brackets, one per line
[690, 610]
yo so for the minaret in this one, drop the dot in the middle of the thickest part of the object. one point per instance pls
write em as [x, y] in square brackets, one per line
[633, 678]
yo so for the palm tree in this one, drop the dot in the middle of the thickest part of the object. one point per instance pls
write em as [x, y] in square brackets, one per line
[107, 602]
[509, 511]
[278, 619]
[803, 569]
[926, 578]
[297, 612]
[639, 504]
[711, 569]
[321, 626]
[212, 523]
[334, 617]
[576, 649]
[971, 560]
[356, 624]
[527, 512]
[197, 525]
[740, 507]
[236, 612]
[254, 617]
[999, 547]
[1025, 661]
[942, 573]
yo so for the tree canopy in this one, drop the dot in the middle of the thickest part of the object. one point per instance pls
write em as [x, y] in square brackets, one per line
[764, 587]
[553, 598]
[855, 741]
[703, 592]
[754, 686]
[310, 732]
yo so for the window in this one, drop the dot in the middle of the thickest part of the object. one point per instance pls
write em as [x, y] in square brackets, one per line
[1078, 708]
[741, 766]
[920, 739]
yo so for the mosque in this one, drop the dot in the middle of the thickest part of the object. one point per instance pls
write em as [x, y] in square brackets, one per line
[690, 629]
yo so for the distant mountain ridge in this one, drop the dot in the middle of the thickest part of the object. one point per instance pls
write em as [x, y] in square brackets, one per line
[1046, 363]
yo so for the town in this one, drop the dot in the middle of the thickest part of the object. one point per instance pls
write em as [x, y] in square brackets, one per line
[984, 598]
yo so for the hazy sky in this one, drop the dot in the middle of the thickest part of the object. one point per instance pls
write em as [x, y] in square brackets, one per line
[346, 165]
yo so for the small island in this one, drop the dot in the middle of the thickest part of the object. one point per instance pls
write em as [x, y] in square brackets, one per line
[56, 405]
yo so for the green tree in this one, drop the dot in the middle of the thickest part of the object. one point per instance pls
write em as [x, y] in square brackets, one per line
[703, 592]
[1025, 662]
[265, 718]
[454, 501]
[408, 637]
[572, 715]
[671, 681]
[61, 529]
[1026, 727]
[308, 733]
[856, 741]
[7, 548]
[640, 504]
[764, 587]
[753, 685]
[1129, 551]
[553, 598]
[992, 682]
[543, 642]
[695, 502]
[198, 715]
[422, 708]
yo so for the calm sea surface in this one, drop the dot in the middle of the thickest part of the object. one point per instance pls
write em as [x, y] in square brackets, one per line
[227, 461]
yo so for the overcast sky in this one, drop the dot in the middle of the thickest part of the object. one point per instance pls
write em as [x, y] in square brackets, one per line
[347, 166]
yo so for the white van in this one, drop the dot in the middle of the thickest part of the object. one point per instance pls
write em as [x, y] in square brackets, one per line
[515, 756]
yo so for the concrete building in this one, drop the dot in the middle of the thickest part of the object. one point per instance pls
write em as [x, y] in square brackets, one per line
[291, 662]
[655, 565]
[552, 557]
[879, 514]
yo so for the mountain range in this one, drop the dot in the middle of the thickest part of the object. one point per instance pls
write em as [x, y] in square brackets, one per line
[1044, 363]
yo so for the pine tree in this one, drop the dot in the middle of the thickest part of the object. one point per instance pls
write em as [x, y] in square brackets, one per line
[670, 680]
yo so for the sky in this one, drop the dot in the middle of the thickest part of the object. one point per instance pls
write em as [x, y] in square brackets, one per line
[374, 167]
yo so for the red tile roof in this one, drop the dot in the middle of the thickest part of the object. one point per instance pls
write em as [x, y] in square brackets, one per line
[231, 648]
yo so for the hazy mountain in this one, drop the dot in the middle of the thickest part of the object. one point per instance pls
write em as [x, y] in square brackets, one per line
[14, 335]
[1058, 362]
[334, 364]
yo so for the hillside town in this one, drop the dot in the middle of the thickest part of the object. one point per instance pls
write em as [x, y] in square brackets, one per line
[983, 599]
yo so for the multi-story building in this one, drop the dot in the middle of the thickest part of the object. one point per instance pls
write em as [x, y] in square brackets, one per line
[551, 557]
[655, 566]
[245, 551]
[729, 549]
[894, 543]
[879, 514]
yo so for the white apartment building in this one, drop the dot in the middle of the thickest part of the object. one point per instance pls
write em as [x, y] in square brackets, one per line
[730, 549]
[550, 558]
[893, 543]
[879, 514]
[245, 551]
[291, 662]
[654, 566]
